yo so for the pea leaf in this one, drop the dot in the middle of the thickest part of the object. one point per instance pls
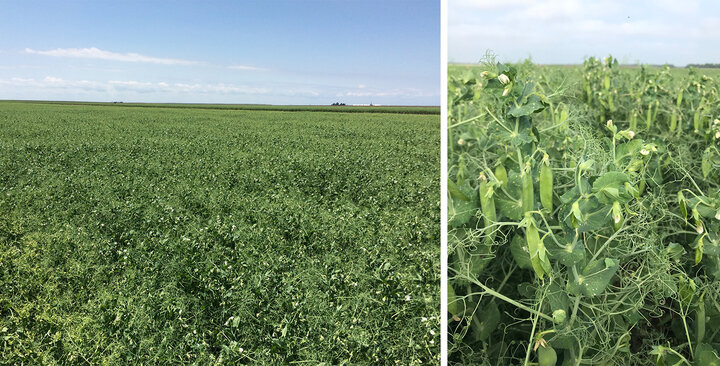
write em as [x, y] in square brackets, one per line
[594, 215]
[706, 355]
[609, 187]
[461, 210]
[520, 253]
[571, 254]
[594, 278]
[557, 298]
[532, 104]
[486, 321]
[510, 206]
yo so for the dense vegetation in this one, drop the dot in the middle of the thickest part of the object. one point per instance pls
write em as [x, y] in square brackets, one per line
[188, 236]
[584, 216]
[262, 107]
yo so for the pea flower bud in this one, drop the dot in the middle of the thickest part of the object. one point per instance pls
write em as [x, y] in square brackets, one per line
[504, 79]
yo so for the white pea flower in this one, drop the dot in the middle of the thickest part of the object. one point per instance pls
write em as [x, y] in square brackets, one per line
[644, 152]
[504, 79]
[631, 134]
[717, 215]
[609, 123]
[717, 134]
[506, 91]
[461, 141]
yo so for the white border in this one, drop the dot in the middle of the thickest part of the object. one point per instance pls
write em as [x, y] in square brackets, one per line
[443, 184]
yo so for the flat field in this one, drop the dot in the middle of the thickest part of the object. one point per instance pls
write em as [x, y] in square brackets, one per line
[213, 236]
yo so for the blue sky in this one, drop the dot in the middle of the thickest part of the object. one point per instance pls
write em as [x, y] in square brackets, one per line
[567, 31]
[277, 52]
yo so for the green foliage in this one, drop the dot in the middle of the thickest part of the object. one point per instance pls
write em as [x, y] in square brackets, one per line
[605, 243]
[197, 236]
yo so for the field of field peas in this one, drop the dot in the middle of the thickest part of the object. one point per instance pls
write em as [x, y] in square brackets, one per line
[215, 236]
[584, 215]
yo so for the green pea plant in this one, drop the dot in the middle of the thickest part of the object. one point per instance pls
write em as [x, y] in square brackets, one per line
[574, 242]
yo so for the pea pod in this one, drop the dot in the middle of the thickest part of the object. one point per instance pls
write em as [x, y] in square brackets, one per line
[460, 177]
[487, 201]
[563, 114]
[501, 174]
[546, 184]
[673, 121]
[699, 250]
[655, 112]
[683, 206]
[576, 217]
[679, 98]
[617, 214]
[706, 163]
[700, 319]
[538, 253]
[528, 195]
[697, 121]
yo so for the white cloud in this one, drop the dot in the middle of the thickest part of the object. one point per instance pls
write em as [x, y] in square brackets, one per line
[95, 53]
[51, 83]
[398, 92]
[565, 31]
[246, 68]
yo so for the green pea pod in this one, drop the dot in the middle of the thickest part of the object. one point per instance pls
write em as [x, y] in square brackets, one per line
[683, 206]
[706, 163]
[546, 184]
[655, 111]
[538, 255]
[528, 195]
[679, 98]
[700, 319]
[487, 202]
[697, 121]
[576, 217]
[546, 356]
[699, 250]
[501, 175]
[648, 117]
[563, 114]
[460, 178]
[673, 121]
[617, 214]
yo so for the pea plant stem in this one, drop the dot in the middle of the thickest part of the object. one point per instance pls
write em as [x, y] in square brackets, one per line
[502, 297]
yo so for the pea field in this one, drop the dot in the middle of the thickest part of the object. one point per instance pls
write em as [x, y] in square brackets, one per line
[167, 234]
[584, 214]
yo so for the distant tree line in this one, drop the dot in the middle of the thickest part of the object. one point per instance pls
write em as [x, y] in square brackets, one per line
[705, 66]
[338, 103]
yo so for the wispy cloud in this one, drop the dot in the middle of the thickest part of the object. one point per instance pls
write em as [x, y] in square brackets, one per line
[164, 88]
[246, 68]
[362, 91]
[95, 53]
[561, 31]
